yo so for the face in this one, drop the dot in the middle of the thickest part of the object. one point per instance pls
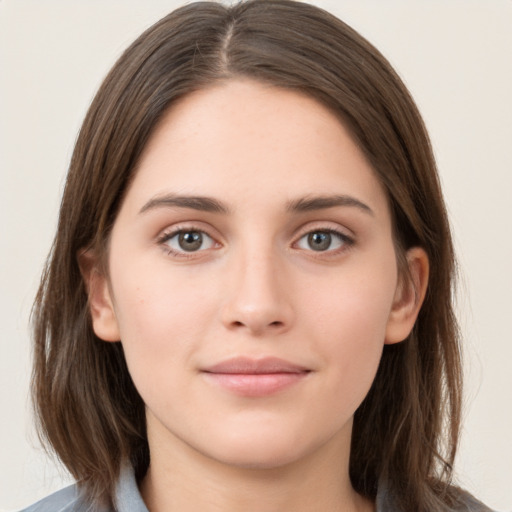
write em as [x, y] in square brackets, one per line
[252, 277]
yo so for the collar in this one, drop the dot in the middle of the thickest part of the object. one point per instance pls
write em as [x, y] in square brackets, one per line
[128, 498]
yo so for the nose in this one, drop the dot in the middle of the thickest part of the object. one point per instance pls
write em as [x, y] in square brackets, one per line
[258, 300]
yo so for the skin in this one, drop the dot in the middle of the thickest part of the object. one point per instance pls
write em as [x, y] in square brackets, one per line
[254, 287]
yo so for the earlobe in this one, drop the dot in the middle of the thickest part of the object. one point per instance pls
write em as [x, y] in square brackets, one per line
[409, 297]
[104, 321]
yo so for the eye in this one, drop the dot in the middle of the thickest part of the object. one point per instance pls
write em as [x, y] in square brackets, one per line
[187, 240]
[323, 240]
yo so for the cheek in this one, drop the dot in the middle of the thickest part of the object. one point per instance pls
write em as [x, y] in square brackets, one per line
[356, 307]
[350, 331]
[157, 313]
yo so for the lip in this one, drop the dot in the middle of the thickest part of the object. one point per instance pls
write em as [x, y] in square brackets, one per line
[248, 365]
[255, 377]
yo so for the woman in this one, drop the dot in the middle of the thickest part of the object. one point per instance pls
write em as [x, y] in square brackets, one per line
[247, 305]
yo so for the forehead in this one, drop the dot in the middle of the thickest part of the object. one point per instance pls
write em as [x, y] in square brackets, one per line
[240, 137]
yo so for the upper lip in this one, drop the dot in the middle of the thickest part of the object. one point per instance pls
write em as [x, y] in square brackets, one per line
[251, 366]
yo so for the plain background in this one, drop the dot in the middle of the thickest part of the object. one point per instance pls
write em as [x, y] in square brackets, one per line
[456, 58]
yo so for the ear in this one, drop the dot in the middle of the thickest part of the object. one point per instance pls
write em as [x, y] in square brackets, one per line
[104, 321]
[409, 296]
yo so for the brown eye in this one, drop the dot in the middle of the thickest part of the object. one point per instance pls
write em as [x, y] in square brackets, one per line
[188, 241]
[319, 241]
[323, 241]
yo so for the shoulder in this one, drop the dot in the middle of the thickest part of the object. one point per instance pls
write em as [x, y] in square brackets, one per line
[454, 500]
[70, 499]
[65, 500]
[469, 503]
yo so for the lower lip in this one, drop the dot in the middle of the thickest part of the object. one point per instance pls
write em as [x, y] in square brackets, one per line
[254, 385]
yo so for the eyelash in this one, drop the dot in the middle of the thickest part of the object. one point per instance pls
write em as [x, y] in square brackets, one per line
[166, 236]
[346, 241]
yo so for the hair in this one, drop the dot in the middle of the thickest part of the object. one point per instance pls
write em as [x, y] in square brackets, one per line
[406, 430]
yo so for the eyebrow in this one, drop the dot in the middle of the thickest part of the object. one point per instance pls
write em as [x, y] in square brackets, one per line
[209, 204]
[200, 203]
[311, 203]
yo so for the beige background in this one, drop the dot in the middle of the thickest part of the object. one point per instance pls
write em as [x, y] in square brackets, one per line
[456, 57]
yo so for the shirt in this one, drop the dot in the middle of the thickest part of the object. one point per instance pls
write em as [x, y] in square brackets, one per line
[128, 499]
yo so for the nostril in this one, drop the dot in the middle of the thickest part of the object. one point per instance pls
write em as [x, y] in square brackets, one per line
[275, 324]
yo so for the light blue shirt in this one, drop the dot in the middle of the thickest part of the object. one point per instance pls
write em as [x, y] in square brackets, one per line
[128, 499]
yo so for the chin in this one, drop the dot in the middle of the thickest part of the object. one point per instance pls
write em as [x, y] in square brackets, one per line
[260, 452]
[260, 460]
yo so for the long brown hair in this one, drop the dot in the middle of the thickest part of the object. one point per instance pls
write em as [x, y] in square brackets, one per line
[405, 432]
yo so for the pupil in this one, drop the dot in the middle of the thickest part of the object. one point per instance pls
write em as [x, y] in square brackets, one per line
[319, 241]
[190, 240]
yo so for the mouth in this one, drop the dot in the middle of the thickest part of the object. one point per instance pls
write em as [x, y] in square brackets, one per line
[255, 377]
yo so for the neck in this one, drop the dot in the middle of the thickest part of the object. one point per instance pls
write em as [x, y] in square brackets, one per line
[180, 478]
